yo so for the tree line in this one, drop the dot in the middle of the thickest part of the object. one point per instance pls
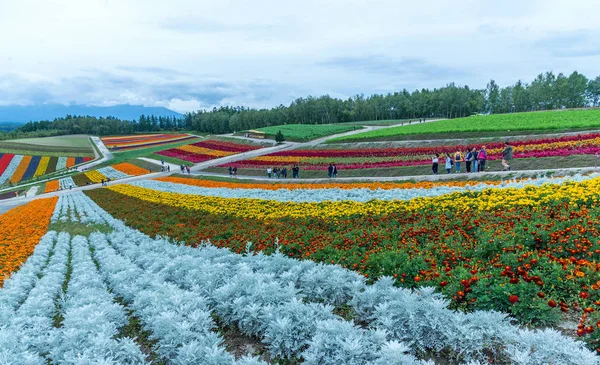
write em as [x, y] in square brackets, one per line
[547, 91]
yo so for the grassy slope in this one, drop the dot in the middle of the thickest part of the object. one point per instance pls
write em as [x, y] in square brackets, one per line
[72, 146]
[307, 132]
[490, 126]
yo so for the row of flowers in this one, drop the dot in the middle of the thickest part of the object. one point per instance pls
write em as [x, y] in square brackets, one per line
[17, 168]
[207, 150]
[584, 191]
[22, 228]
[333, 193]
[146, 140]
[588, 144]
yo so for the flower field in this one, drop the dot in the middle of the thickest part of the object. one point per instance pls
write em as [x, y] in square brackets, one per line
[548, 121]
[51, 186]
[528, 248]
[207, 150]
[365, 158]
[22, 228]
[118, 171]
[182, 297]
[141, 141]
[17, 168]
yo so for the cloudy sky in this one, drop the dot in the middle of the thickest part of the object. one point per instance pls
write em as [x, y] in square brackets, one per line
[191, 54]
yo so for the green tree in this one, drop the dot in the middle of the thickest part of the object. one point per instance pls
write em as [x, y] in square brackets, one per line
[279, 137]
[593, 91]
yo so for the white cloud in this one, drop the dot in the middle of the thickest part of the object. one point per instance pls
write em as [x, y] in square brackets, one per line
[186, 54]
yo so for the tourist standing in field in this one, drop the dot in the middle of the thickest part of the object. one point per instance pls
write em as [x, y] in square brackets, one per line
[482, 158]
[475, 155]
[507, 155]
[230, 171]
[449, 163]
[330, 171]
[435, 163]
[269, 171]
[235, 171]
[468, 160]
[458, 158]
[334, 171]
[284, 173]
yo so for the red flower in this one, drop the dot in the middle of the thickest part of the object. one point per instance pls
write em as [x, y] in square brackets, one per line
[552, 303]
[583, 295]
[513, 299]
[443, 283]
[540, 294]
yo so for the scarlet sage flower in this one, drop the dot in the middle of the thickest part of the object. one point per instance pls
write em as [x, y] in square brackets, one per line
[513, 299]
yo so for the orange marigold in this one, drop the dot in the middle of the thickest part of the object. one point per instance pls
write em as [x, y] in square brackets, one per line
[22, 228]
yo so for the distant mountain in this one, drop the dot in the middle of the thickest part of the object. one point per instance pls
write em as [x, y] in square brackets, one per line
[24, 114]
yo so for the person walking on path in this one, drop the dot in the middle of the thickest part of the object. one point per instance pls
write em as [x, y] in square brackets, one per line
[235, 171]
[334, 171]
[269, 171]
[330, 171]
[230, 171]
[482, 158]
[468, 160]
[458, 158]
[435, 163]
[507, 155]
[169, 168]
[284, 172]
[475, 154]
[449, 163]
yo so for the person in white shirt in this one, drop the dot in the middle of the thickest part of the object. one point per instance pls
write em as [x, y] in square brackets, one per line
[435, 163]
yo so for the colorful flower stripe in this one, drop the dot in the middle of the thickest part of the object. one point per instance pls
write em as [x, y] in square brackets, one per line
[42, 166]
[70, 161]
[130, 169]
[206, 150]
[22, 228]
[130, 142]
[18, 174]
[348, 186]
[15, 162]
[61, 163]
[585, 192]
[335, 194]
[21, 168]
[51, 186]
[95, 176]
[125, 140]
[226, 146]
[4, 161]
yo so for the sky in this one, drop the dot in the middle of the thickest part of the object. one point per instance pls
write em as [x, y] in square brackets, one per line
[195, 54]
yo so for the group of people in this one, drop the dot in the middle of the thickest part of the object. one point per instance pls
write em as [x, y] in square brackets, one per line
[184, 169]
[232, 171]
[474, 159]
[332, 171]
[104, 182]
[281, 173]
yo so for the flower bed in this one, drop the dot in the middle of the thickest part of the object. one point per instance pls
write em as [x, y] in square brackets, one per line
[51, 186]
[22, 228]
[587, 144]
[296, 310]
[529, 251]
[18, 168]
[140, 141]
[130, 169]
[94, 176]
[207, 150]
